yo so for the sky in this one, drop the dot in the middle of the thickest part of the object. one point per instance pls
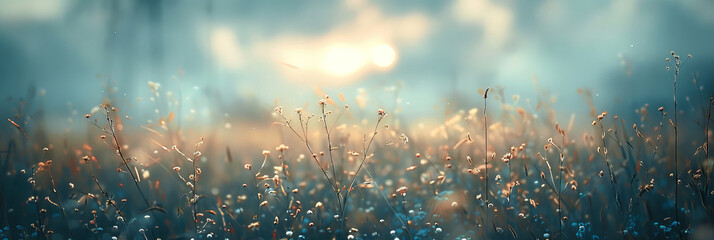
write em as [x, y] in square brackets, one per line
[420, 58]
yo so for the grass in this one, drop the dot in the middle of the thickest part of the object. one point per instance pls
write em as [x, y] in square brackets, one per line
[345, 173]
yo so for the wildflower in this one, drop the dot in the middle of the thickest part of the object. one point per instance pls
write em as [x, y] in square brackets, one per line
[276, 179]
[282, 147]
[380, 112]
[41, 166]
[404, 138]
[507, 157]
[402, 190]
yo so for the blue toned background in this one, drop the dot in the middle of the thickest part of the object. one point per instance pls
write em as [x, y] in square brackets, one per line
[252, 54]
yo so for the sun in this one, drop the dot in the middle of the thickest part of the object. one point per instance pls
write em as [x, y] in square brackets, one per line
[383, 55]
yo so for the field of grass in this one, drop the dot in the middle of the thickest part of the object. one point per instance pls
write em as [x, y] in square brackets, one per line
[501, 168]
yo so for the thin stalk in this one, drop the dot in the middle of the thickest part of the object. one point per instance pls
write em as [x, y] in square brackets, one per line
[676, 147]
[404, 224]
[365, 149]
[332, 162]
[485, 152]
[194, 200]
[559, 189]
[121, 155]
[304, 138]
[39, 228]
[609, 167]
[303, 125]
[59, 201]
[329, 145]
[194, 185]
[104, 193]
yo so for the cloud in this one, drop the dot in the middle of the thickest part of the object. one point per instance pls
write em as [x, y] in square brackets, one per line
[341, 55]
[31, 10]
[224, 47]
[495, 20]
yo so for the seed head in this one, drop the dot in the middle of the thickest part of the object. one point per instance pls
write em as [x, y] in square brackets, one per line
[402, 190]
[282, 147]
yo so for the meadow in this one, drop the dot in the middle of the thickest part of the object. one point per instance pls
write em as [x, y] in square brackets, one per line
[501, 168]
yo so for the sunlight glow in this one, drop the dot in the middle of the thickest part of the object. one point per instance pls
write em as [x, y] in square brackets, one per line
[383, 55]
[343, 60]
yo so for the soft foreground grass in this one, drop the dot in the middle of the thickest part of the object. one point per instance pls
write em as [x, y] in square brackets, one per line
[338, 173]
